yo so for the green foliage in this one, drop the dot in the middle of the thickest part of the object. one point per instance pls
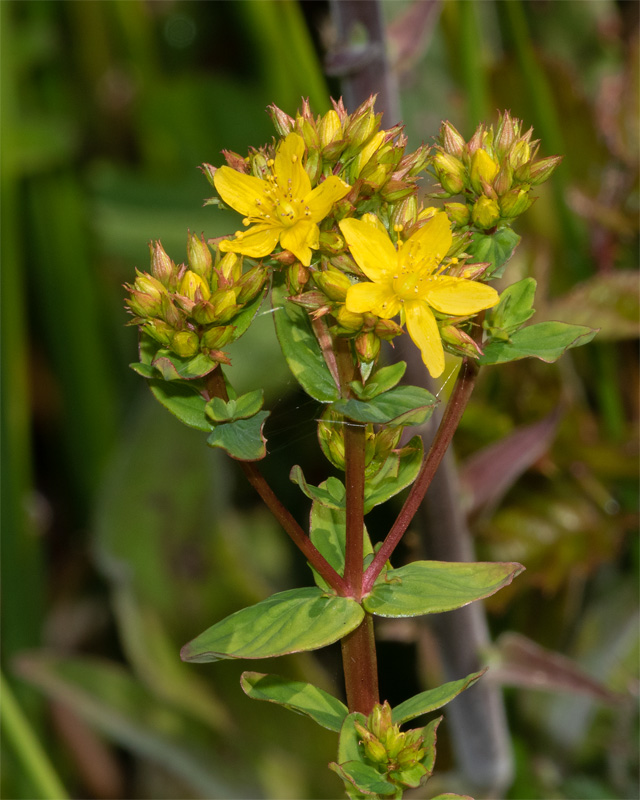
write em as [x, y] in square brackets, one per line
[286, 622]
[403, 405]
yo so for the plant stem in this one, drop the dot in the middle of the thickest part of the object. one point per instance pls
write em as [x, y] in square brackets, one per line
[361, 667]
[455, 408]
[354, 444]
[216, 388]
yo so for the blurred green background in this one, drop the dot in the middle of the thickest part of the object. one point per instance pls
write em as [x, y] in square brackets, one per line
[123, 535]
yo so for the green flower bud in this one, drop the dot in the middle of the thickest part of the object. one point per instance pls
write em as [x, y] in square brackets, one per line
[194, 287]
[348, 320]
[333, 283]
[159, 331]
[503, 182]
[143, 305]
[514, 203]
[217, 337]
[540, 170]
[297, 277]
[506, 134]
[520, 153]
[260, 166]
[367, 347]
[485, 213]
[199, 256]
[483, 170]
[331, 437]
[404, 214]
[362, 125]
[450, 171]
[367, 152]
[236, 161]
[248, 286]
[162, 267]
[452, 141]
[229, 269]
[330, 129]
[307, 129]
[147, 284]
[204, 313]
[458, 213]
[209, 171]
[225, 305]
[458, 342]
[185, 343]
[282, 122]
[331, 242]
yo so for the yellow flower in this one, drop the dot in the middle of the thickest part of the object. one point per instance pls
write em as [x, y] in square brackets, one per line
[283, 208]
[409, 281]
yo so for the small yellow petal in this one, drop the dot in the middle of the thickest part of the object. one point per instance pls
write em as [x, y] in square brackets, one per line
[427, 247]
[372, 249]
[459, 296]
[322, 198]
[423, 329]
[288, 167]
[377, 298]
[257, 242]
[241, 192]
[300, 239]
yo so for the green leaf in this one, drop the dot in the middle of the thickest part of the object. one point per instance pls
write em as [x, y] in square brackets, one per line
[244, 319]
[429, 732]
[514, 309]
[328, 534]
[365, 779]
[146, 370]
[243, 407]
[404, 405]
[496, 248]
[302, 698]
[287, 622]
[301, 349]
[429, 587]
[332, 494]
[546, 341]
[398, 472]
[183, 401]
[428, 701]
[242, 439]
[381, 381]
[173, 367]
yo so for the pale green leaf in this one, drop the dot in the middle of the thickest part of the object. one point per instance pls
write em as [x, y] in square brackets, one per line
[546, 341]
[428, 701]
[242, 439]
[403, 405]
[287, 622]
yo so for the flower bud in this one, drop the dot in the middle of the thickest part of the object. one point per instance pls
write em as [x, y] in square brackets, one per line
[540, 170]
[387, 329]
[331, 242]
[485, 213]
[514, 203]
[261, 166]
[225, 305]
[170, 313]
[404, 214]
[379, 721]
[282, 122]
[520, 153]
[199, 256]
[159, 331]
[503, 182]
[330, 128]
[141, 304]
[147, 284]
[162, 267]
[331, 437]
[367, 152]
[483, 169]
[307, 129]
[363, 124]
[313, 165]
[217, 337]
[395, 191]
[297, 277]
[185, 343]
[450, 171]
[348, 320]
[333, 283]
[452, 141]
[250, 283]
[458, 342]
[458, 213]
[229, 269]
[194, 287]
[506, 134]
[203, 313]
[367, 346]
[236, 161]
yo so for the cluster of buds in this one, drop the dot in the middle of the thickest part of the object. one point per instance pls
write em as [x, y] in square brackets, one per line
[396, 754]
[378, 445]
[353, 147]
[190, 308]
[494, 172]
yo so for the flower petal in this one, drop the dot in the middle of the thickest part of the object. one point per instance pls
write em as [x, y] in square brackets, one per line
[322, 198]
[257, 242]
[377, 298]
[423, 329]
[459, 296]
[427, 247]
[372, 249]
[288, 168]
[300, 239]
[241, 192]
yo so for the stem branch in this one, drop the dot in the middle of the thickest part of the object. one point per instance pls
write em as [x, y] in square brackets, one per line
[455, 408]
[361, 667]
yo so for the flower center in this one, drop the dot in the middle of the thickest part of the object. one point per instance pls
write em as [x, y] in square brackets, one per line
[288, 213]
[407, 284]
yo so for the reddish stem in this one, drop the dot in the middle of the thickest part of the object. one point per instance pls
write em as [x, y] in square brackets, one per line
[216, 388]
[448, 425]
[354, 445]
[361, 667]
